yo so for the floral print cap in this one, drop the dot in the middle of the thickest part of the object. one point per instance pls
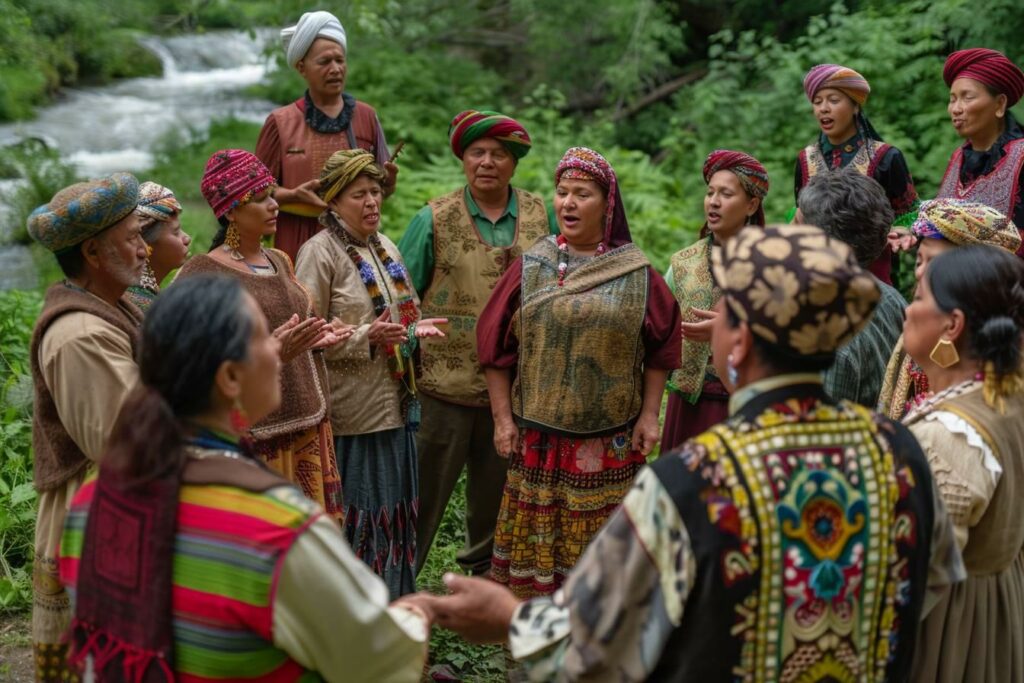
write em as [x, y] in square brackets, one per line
[795, 287]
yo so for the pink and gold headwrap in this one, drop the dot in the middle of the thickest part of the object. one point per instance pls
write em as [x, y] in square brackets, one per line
[839, 77]
[232, 178]
[583, 163]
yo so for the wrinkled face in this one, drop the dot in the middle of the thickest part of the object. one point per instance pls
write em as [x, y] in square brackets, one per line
[324, 68]
[928, 249]
[488, 166]
[258, 217]
[170, 248]
[260, 377]
[727, 205]
[924, 325]
[580, 207]
[358, 205]
[835, 113]
[973, 110]
[122, 251]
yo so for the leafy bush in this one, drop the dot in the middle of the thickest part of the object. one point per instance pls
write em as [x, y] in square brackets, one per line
[42, 173]
[18, 311]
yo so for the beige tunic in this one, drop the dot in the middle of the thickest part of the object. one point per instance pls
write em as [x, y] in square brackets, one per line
[88, 367]
[976, 632]
[364, 396]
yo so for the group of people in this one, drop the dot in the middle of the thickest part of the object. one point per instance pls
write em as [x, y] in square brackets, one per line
[241, 475]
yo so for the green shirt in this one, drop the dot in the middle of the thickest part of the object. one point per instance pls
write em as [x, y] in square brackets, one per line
[417, 244]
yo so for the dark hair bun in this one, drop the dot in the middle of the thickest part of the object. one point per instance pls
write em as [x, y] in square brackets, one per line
[998, 340]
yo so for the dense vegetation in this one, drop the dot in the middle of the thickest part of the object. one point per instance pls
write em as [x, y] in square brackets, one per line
[654, 84]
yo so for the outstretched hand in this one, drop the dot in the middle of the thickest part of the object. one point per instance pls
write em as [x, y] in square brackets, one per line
[427, 327]
[901, 239]
[699, 331]
[383, 332]
[479, 610]
[298, 336]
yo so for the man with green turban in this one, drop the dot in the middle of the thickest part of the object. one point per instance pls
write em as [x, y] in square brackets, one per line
[455, 249]
[83, 367]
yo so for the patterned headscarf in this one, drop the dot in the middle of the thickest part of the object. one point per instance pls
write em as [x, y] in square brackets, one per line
[962, 222]
[232, 178]
[752, 175]
[344, 167]
[796, 288]
[989, 67]
[312, 25]
[157, 203]
[83, 210]
[471, 125]
[583, 163]
[839, 77]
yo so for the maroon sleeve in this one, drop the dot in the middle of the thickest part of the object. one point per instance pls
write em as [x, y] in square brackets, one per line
[268, 147]
[496, 345]
[662, 326]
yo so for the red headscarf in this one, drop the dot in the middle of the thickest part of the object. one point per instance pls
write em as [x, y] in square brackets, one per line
[989, 67]
[751, 173]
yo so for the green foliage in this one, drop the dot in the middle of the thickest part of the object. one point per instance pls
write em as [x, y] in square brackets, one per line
[42, 172]
[18, 311]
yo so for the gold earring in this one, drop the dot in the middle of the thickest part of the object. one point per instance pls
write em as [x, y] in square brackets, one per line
[944, 354]
[232, 241]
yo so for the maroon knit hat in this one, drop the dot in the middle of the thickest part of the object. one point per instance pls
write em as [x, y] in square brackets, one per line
[232, 178]
[989, 67]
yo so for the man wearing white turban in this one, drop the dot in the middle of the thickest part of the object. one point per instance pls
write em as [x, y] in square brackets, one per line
[299, 137]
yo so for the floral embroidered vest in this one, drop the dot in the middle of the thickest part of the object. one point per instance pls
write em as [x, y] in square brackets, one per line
[580, 344]
[811, 526]
[694, 288]
[999, 189]
[866, 159]
[465, 271]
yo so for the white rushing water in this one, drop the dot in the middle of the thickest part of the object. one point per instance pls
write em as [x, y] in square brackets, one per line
[117, 127]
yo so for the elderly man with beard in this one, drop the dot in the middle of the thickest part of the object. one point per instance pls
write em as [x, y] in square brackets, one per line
[82, 355]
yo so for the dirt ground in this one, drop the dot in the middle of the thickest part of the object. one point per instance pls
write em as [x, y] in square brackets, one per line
[16, 648]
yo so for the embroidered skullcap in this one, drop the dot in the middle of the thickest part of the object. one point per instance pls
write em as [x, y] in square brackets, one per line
[839, 77]
[344, 167]
[795, 287]
[312, 25]
[471, 125]
[157, 203]
[83, 210]
[989, 67]
[752, 175]
[962, 222]
[583, 163]
[232, 178]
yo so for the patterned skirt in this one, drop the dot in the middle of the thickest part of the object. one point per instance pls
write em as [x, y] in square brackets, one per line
[380, 474]
[306, 457]
[559, 493]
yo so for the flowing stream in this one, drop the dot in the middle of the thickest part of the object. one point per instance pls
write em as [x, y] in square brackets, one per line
[117, 127]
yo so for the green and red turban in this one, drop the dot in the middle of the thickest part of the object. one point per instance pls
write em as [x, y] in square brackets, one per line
[989, 67]
[471, 125]
[751, 173]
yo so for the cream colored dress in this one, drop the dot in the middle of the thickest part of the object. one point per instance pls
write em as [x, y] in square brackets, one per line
[976, 632]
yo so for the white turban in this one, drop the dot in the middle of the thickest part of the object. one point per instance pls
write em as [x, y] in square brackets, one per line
[312, 25]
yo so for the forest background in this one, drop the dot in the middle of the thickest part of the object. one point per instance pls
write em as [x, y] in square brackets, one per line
[653, 84]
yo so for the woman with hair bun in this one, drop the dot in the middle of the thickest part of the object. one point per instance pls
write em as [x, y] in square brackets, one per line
[965, 329]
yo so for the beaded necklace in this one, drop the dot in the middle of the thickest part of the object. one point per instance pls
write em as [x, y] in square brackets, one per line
[563, 257]
[406, 305]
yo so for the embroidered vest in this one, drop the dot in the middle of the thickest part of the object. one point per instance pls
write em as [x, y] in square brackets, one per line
[229, 547]
[866, 159]
[580, 345]
[303, 378]
[811, 528]
[465, 271]
[999, 189]
[996, 540]
[57, 458]
[694, 288]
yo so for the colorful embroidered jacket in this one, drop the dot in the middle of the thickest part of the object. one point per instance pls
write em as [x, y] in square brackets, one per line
[796, 541]
[265, 589]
